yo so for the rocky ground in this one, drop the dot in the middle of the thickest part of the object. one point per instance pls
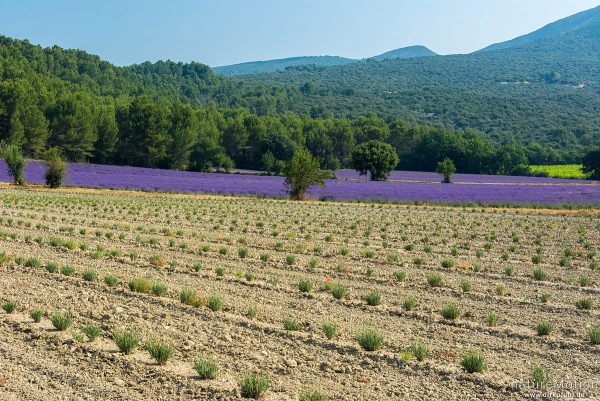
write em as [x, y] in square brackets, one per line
[265, 247]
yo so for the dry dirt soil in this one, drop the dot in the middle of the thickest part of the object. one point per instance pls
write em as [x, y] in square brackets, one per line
[264, 248]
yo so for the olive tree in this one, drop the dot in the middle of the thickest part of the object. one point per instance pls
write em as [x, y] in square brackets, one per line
[591, 164]
[375, 157]
[15, 162]
[301, 173]
[446, 168]
[56, 167]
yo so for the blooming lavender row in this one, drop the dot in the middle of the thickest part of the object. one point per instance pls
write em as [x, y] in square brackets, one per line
[457, 178]
[486, 189]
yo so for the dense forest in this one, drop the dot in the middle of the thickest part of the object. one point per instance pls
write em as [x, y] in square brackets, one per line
[490, 112]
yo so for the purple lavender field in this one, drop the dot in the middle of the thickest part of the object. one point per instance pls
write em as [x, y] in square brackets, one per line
[405, 186]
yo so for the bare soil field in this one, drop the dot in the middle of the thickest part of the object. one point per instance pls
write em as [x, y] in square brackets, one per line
[460, 303]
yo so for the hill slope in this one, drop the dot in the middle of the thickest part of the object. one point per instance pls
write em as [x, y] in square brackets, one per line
[405, 52]
[569, 24]
[255, 67]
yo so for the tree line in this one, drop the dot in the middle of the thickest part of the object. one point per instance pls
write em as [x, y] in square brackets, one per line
[158, 132]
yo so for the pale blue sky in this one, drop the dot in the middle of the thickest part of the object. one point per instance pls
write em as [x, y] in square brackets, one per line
[218, 32]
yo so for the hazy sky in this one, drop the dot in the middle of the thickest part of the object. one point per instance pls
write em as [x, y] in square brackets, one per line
[218, 32]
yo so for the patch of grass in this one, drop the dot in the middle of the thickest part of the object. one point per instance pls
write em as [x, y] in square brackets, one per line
[160, 351]
[434, 280]
[544, 328]
[450, 312]
[473, 362]
[329, 329]
[51, 267]
[89, 275]
[111, 280]
[126, 341]
[253, 386]
[312, 395]
[159, 289]
[36, 315]
[251, 312]
[9, 306]
[215, 303]
[91, 331]
[370, 339]
[373, 298]
[584, 303]
[539, 274]
[491, 319]
[400, 275]
[419, 350]
[594, 334]
[68, 270]
[61, 321]
[447, 263]
[206, 368]
[409, 303]
[539, 376]
[291, 324]
[304, 285]
[465, 285]
[290, 259]
[338, 291]
[140, 285]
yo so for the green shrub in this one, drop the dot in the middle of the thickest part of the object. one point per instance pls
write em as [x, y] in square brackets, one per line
[206, 368]
[370, 339]
[160, 351]
[254, 386]
[91, 331]
[9, 306]
[215, 303]
[126, 341]
[544, 328]
[329, 329]
[36, 315]
[304, 285]
[450, 312]
[61, 321]
[473, 362]
[292, 324]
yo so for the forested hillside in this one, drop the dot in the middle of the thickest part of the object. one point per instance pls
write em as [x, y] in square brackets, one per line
[490, 111]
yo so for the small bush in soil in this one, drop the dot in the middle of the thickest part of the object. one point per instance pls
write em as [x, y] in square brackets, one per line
[160, 351]
[304, 285]
[159, 289]
[539, 376]
[491, 319]
[111, 280]
[91, 331]
[253, 386]
[251, 313]
[68, 270]
[51, 267]
[291, 324]
[465, 285]
[206, 368]
[584, 303]
[594, 334]
[544, 328]
[473, 362]
[370, 339]
[215, 303]
[141, 285]
[338, 291]
[36, 315]
[126, 341]
[373, 298]
[89, 275]
[434, 280]
[539, 274]
[9, 306]
[61, 321]
[450, 312]
[312, 395]
[419, 350]
[329, 329]
[400, 275]
[409, 303]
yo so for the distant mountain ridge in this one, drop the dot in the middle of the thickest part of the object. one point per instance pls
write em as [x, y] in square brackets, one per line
[563, 26]
[254, 67]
